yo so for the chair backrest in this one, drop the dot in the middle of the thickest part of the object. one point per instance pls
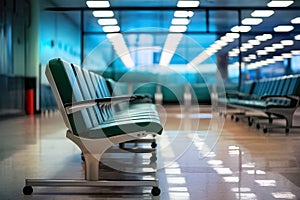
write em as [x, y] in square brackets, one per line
[94, 112]
[102, 91]
[294, 88]
[248, 87]
[67, 90]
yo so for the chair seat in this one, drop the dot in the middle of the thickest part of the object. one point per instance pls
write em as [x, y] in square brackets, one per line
[124, 127]
[261, 104]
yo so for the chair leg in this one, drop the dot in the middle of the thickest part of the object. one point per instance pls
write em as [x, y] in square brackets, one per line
[91, 167]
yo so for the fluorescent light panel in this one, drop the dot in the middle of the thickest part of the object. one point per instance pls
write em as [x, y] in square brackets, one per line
[252, 21]
[278, 46]
[233, 35]
[254, 42]
[188, 4]
[241, 29]
[264, 37]
[107, 21]
[287, 42]
[177, 28]
[227, 39]
[270, 49]
[277, 3]
[287, 55]
[262, 13]
[243, 49]
[247, 45]
[278, 58]
[283, 28]
[261, 52]
[110, 29]
[297, 37]
[236, 50]
[180, 21]
[252, 56]
[221, 43]
[295, 52]
[98, 4]
[296, 20]
[104, 13]
[182, 13]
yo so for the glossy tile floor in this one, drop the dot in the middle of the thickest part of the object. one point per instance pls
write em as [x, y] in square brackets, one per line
[199, 156]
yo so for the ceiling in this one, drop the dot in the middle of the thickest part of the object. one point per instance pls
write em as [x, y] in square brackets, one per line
[222, 16]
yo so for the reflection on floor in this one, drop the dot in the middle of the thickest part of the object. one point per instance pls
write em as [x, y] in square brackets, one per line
[199, 156]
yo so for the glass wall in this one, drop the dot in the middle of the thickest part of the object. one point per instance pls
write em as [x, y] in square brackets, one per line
[144, 47]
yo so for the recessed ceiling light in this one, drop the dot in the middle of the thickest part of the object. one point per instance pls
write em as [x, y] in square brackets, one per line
[221, 43]
[187, 3]
[278, 58]
[262, 13]
[252, 56]
[270, 49]
[109, 29]
[296, 20]
[261, 52]
[180, 21]
[252, 21]
[264, 62]
[243, 49]
[107, 21]
[247, 45]
[216, 46]
[241, 28]
[98, 4]
[254, 42]
[297, 37]
[113, 35]
[104, 13]
[276, 3]
[233, 35]
[246, 59]
[227, 39]
[287, 42]
[295, 52]
[287, 55]
[278, 46]
[183, 13]
[177, 28]
[267, 36]
[270, 60]
[263, 37]
[235, 50]
[232, 54]
[283, 28]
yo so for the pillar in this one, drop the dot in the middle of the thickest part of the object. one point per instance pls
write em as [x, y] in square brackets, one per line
[222, 64]
[33, 40]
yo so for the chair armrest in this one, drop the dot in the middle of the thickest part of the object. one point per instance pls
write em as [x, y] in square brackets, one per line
[296, 98]
[271, 96]
[232, 94]
[238, 95]
[77, 106]
[143, 98]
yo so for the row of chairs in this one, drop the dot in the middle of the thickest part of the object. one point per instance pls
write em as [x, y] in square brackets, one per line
[97, 121]
[278, 98]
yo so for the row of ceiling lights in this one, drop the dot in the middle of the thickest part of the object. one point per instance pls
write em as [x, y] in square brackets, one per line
[259, 39]
[267, 61]
[256, 19]
[179, 24]
[110, 26]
